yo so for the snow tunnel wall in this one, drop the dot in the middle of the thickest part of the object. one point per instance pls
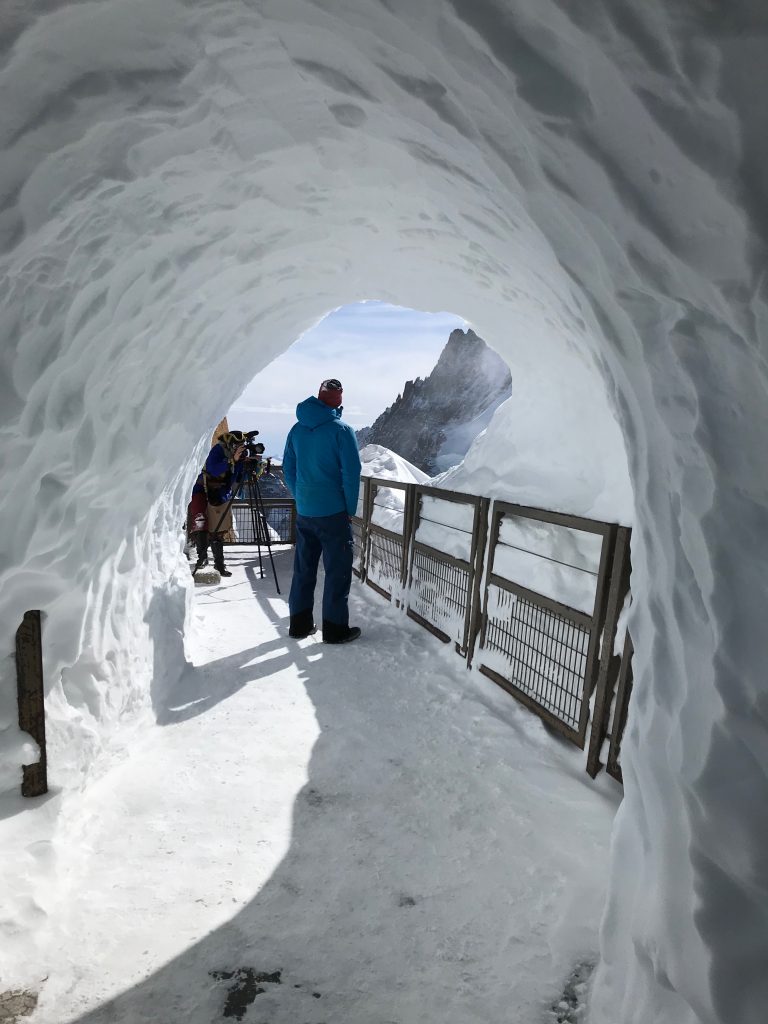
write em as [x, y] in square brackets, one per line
[186, 187]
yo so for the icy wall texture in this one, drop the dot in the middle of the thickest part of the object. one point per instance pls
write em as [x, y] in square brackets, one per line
[186, 187]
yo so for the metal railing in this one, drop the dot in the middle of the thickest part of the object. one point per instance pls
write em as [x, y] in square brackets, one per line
[541, 591]
[544, 611]
[441, 579]
[546, 608]
[276, 526]
[532, 597]
[389, 511]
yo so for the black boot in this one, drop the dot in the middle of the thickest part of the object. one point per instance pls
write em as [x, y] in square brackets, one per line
[333, 633]
[302, 624]
[200, 538]
[217, 547]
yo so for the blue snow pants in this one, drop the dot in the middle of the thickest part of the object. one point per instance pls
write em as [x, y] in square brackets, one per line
[330, 536]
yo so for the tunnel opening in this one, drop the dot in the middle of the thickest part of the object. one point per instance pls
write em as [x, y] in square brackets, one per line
[375, 349]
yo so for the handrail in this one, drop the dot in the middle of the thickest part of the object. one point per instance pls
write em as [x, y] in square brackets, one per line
[449, 596]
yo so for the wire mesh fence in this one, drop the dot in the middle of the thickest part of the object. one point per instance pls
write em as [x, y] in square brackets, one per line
[538, 654]
[447, 535]
[384, 568]
[271, 521]
[387, 528]
[439, 594]
[544, 611]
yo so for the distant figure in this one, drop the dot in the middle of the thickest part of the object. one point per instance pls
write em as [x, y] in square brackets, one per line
[208, 517]
[321, 466]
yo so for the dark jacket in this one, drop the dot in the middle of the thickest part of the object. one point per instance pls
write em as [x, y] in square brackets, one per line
[321, 463]
[219, 476]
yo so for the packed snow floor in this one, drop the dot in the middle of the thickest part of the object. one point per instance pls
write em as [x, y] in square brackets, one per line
[310, 834]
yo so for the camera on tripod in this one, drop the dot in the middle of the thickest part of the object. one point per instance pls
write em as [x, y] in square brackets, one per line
[252, 451]
[253, 456]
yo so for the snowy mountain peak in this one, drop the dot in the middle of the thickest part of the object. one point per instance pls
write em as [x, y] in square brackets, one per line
[434, 420]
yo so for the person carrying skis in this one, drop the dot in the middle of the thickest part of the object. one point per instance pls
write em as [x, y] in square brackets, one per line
[321, 467]
[209, 518]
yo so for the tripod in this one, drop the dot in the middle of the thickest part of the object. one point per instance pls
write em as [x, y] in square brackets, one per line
[259, 520]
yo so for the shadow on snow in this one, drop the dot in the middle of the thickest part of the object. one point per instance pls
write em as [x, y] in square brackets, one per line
[390, 907]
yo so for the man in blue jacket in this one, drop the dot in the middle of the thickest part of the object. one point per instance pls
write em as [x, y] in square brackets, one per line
[321, 466]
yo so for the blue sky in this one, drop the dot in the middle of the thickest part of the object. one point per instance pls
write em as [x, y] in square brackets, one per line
[373, 348]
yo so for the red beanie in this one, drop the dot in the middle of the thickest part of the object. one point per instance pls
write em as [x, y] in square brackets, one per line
[331, 392]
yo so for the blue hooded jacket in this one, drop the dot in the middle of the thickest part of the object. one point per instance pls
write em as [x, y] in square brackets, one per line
[321, 463]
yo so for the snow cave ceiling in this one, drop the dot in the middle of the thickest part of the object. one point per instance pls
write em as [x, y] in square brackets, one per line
[186, 187]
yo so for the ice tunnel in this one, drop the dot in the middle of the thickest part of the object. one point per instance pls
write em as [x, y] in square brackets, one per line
[186, 187]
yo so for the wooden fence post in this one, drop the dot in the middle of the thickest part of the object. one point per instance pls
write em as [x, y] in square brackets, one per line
[478, 564]
[623, 692]
[609, 662]
[29, 674]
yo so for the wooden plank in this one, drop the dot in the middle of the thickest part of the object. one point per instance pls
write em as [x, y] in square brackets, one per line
[442, 556]
[558, 518]
[428, 625]
[458, 497]
[534, 597]
[29, 674]
[533, 705]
